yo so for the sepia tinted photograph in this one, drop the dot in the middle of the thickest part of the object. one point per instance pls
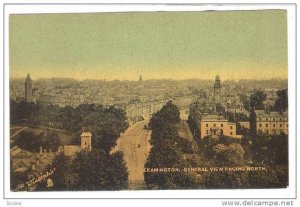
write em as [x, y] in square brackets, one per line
[169, 100]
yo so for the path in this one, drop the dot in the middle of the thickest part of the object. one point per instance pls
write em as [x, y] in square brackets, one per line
[134, 143]
[184, 131]
[17, 132]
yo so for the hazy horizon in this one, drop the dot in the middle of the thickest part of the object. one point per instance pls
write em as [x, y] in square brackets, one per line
[159, 45]
[144, 79]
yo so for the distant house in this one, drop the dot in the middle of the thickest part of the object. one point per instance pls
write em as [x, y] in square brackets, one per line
[272, 122]
[49, 99]
[237, 109]
[215, 125]
[33, 165]
[23, 161]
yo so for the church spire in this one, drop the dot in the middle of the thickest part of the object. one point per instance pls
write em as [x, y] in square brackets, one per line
[28, 79]
[28, 89]
[140, 79]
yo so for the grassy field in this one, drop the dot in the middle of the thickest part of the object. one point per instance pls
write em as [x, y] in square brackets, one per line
[64, 136]
[15, 129]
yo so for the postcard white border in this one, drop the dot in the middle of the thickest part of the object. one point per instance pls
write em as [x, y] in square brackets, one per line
[245, 193]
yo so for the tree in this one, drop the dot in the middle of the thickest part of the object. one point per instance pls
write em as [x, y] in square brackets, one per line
[167, 149]
[240, 117]
[227, 180]
[259, 149]
[263, 179]
[106, 126]
[89, 167]
[96, 170]
[281, 104]
[50, 140]
[163, 133]
[220, 109]
[32, 142]
[230, 116]
[168, 155]
[117, 172]
[255, 101]
[231, 155]
[193, 123]
[278, 150]
[207, 144]
[28, 141]
[168, 114]
[104, 140]
[282, 172]
[62, 176]
[253, 128]
[226, 140]
[71, 119]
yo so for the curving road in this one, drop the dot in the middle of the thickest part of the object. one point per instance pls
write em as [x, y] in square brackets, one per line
[134, 143]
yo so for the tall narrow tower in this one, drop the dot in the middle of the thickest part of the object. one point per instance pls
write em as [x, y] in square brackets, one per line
[217, 90]
[28, 89]
[140, 83]
[140, 79]
[86, 140]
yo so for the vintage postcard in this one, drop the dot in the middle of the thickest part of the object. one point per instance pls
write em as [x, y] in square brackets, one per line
[148, 100]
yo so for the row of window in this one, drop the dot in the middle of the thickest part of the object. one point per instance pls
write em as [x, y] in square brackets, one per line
[274, 119]
[220, 126]
[231, 133]
[274, 125]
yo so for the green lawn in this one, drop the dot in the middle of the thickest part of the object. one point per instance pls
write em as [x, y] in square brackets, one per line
[15, 129]
[64, 136]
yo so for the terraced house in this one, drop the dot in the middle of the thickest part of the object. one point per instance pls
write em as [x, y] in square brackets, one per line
[271, 122]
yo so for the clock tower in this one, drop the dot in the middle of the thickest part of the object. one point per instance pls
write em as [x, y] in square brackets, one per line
[217, 90]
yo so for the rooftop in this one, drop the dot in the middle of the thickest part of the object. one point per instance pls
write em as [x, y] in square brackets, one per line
[271, 114]
[70, 150]
[85, 134]
[213, 117]
[49, 99]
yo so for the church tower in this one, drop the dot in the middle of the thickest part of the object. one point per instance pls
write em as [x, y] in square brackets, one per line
[86, 140]
[217, 90]
[28, 89]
